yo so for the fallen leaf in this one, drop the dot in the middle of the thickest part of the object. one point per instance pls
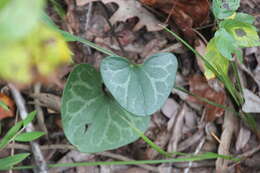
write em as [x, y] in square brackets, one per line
[200, 87]
[5, 113]
[242, 138]
[170, 108]
[185, 13]
[252, 102]
[128, 9]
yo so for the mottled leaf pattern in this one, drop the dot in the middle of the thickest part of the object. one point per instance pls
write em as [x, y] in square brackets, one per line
[92, 120]
[140, 88]
[224, 8]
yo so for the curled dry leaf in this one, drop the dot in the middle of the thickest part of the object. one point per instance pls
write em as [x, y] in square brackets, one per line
[185, 13]
[252, 102]
[128, 9]
[7, 101]
[199, 86]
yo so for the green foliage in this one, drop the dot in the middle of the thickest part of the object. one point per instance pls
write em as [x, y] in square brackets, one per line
[7, 162]
[10, 134]
[29, 118]
[18, 18]
[216, 60]
[243, 17]
[15, 134]
[226, 44]
[16, 130]
[140, 88]
[224, 8]
[3, 3]
[235, 31]
[92, 120]
[24, 53]
[42, 52]
[29, 136]
[245, 34]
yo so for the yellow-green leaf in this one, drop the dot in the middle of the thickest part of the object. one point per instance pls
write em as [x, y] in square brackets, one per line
[48, 49]
[244, 33]
[39, 53]
[217, 61]
[15, 63]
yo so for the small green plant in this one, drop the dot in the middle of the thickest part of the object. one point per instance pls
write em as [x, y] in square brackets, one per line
[138, 90]
[96, 120]
[235, 31]
[16, 134]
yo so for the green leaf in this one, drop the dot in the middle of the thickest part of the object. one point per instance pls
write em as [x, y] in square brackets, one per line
[246, 18]
[10, 134]
[226, 44]
[216, 60]
[29, 136]
[8, 162]
[224, 8]
[18, 17]
[92, 120]
[140, 88]
[245, 34]
[30, 117]
[3, 3]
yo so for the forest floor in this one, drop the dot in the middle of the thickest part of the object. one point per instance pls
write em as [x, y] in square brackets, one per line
[183, 124]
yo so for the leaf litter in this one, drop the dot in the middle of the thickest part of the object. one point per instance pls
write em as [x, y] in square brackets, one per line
[136, 37]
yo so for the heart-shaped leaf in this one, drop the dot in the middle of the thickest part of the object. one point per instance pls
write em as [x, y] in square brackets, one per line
[140, 88]
[92, 120]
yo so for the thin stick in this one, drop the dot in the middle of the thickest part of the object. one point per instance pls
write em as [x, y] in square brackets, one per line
[40, 115]
[187, 170]
[39, 159]
[89, 14]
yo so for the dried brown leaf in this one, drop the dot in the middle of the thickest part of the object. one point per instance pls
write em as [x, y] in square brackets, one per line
[185, 13]
[199, 86]
[128, 9]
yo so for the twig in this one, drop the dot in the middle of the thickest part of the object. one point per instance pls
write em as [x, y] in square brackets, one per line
[40, 115]
[187, 170]
[229, 127]
[177, 130]
[89, 13]
[39, 159]
[245, 156]
[250, 152]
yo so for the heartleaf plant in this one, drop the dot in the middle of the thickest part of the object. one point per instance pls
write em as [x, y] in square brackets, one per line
[235, 31]
[141, 88]
[98, 117]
